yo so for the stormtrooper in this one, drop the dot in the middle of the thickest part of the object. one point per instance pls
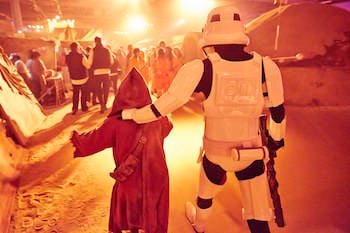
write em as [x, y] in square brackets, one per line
[237, 87]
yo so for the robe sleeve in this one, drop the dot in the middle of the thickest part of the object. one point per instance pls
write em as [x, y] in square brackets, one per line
[91, 142]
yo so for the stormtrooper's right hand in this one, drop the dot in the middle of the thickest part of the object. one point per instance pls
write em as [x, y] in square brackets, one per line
[127, 114]
[273, 145]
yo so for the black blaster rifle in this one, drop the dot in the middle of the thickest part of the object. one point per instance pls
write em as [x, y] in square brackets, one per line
[271, 174]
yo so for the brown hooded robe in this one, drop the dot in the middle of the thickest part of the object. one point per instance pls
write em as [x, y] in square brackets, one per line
[142, 200]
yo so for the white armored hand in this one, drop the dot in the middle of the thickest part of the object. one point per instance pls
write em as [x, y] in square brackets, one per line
[127, 114]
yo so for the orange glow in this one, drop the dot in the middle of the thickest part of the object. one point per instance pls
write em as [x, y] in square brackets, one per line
[137, 24]
[193, 13]
[196, 6]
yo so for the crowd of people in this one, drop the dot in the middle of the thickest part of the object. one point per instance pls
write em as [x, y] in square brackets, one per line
[158, 65]
[96, 71]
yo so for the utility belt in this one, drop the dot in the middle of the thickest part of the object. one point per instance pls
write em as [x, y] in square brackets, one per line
[128, 166]
[249, 154]
[242, 151]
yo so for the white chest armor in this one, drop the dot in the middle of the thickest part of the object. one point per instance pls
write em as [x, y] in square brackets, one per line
[235, 102]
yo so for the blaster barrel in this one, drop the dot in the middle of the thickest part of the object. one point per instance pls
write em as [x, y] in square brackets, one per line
[271, 175]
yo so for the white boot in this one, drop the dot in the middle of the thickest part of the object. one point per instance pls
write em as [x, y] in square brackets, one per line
[197, 217]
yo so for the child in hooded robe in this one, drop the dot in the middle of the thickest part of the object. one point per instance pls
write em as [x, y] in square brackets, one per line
[140, 196]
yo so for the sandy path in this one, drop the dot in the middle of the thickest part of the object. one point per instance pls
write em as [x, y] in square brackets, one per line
[73, 195]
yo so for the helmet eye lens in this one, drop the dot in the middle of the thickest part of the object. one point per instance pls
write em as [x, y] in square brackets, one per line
[236, 17]
[215, 18]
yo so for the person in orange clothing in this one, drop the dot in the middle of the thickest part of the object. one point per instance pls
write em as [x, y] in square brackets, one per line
[140, 196]
[161, 73]
[134, 60]
[137, 60]
[144, 66]
[178, 59]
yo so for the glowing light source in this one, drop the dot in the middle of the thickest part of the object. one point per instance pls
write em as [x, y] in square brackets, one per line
[36, 28]
[137, 24]
[57, 22]
[181, 21]
[195, 12]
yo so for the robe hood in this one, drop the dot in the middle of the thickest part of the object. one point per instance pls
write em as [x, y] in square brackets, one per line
[132, 93]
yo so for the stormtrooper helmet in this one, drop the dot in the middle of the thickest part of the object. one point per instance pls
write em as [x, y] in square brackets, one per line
[224, 26]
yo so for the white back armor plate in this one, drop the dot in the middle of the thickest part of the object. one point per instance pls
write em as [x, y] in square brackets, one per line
[235, 102]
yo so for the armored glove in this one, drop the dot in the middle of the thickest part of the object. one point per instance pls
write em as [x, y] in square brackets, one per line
[273, 145]
[127, 114]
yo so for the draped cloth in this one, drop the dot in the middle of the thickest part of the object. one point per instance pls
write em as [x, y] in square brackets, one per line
[142, 200]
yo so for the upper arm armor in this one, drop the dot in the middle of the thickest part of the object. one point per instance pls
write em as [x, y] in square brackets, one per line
[275, 98]
[273, 83]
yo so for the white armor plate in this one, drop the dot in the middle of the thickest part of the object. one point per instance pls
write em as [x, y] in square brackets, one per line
[235, 102]
[236, 90]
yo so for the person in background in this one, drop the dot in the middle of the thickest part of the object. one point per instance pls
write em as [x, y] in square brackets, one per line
[115, 72]
[236, 88]
[130, 52]
[178, 59]
[120, 54]
[140, 196]
[91, 91]
[161, 73]
[100, 60]
[21, 69]
[38, 72]
[162, 44]
[63, 69]
[134, 60]
[77, 66]
[144, 66]
[151, 61]
[169, 54]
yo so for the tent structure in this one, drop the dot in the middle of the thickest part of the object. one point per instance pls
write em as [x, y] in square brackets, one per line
[300, 28]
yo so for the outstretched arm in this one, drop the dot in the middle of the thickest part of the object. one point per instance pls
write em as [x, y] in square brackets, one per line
[176, 96]
[91, 142]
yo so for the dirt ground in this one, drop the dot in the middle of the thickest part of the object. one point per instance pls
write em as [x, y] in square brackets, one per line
[59, 194]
